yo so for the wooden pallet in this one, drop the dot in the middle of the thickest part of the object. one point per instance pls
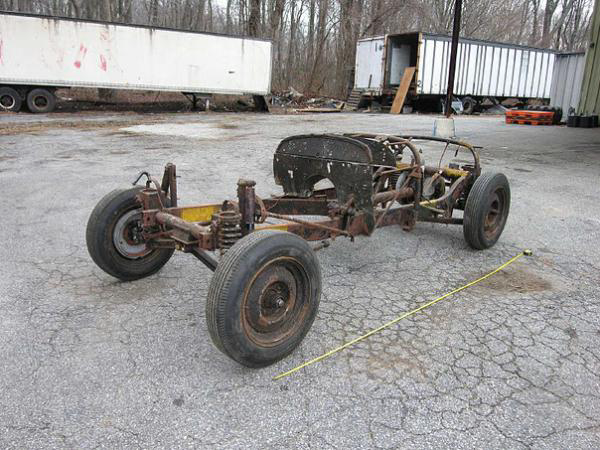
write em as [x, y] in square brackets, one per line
[530, 115]
[527, 121]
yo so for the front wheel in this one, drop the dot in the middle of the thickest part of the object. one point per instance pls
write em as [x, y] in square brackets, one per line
[114, 238]
[263, 297]
[486, 210]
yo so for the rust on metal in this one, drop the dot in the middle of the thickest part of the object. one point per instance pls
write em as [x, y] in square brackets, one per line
[378, 180]
[172, 221]
[229, 228]
[247, 204]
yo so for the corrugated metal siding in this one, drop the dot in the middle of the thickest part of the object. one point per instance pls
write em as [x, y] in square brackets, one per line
[485, 69]
[567, 81]
[590, 93]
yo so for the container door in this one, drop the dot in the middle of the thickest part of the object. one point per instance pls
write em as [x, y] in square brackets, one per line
[400, 60]
[369, 56]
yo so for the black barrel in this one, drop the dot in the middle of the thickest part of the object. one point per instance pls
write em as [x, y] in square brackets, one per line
[573, 121]
[586, 122]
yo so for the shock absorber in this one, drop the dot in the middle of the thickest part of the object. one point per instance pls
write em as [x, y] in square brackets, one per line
[229, 230]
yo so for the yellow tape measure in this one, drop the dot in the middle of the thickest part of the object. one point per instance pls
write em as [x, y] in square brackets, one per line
[525, 252]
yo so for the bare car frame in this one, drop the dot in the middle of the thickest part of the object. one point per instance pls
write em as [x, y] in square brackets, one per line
[266, 288]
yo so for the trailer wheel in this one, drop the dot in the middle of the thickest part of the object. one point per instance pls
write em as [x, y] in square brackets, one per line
[263, 297]
[486, 210]
[41, 101]
[10, 100]
[114, 241]
[469, 105]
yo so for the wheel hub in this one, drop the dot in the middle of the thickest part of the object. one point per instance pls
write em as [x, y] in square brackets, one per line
[40, 101]
[7, 102]
[495, 214]
[275, 303]
[127, 235]
[274, 300]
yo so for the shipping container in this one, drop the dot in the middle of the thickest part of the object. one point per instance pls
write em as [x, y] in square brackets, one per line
[484, 69]
[567, 79]
[50, 52]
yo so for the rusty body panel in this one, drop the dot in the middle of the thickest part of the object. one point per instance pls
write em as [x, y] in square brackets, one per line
[375, 185]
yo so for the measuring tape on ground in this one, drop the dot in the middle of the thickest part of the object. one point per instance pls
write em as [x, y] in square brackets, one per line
[526, 252]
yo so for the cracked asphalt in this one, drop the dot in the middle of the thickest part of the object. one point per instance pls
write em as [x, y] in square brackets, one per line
[90, 362]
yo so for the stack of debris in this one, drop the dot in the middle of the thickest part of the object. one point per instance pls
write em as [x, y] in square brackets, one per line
[293, 99]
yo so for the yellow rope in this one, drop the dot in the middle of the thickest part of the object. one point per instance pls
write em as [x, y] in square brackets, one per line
[403, 316]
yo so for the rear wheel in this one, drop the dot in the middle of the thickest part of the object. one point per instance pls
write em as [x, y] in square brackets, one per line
[41, 101]
[114, 238]
[486, 210]
[10, 100]
[263, 297]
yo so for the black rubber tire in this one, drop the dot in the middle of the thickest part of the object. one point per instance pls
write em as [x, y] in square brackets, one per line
[101, 246]
[229, 296]
[10, 99]
[48, 104]
[488, 188]
[469, 105]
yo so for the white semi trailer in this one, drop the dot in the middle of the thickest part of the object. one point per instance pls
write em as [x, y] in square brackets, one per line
[39, 54]
[484, 69]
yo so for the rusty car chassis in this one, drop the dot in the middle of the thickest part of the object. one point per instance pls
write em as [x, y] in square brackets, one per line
[266, 288]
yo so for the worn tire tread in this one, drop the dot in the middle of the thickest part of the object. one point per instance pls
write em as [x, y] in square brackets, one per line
[216, 304]
[221, 281]
[94, 243]
[475, 202]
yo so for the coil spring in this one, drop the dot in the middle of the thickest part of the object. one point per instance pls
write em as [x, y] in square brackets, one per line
[229, 229]
[394, 180]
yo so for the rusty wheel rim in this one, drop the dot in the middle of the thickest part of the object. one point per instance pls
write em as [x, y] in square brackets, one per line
[127, 235]
[495, 214]
[276, 302]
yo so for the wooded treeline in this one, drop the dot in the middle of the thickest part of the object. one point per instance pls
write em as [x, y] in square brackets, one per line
[314, 40]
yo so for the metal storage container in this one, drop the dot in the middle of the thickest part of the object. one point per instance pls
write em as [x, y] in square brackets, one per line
[48, 51]
[565, 89]
[484, 69]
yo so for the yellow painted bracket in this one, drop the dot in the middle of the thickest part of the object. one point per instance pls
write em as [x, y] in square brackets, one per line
[199, 213]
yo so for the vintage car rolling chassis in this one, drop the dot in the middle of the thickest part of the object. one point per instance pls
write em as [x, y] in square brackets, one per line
[265, 292]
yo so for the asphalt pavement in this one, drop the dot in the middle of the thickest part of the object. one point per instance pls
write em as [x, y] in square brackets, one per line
[91, 362]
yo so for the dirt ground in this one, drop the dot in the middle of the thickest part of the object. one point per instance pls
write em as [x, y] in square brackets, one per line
[92, 362]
